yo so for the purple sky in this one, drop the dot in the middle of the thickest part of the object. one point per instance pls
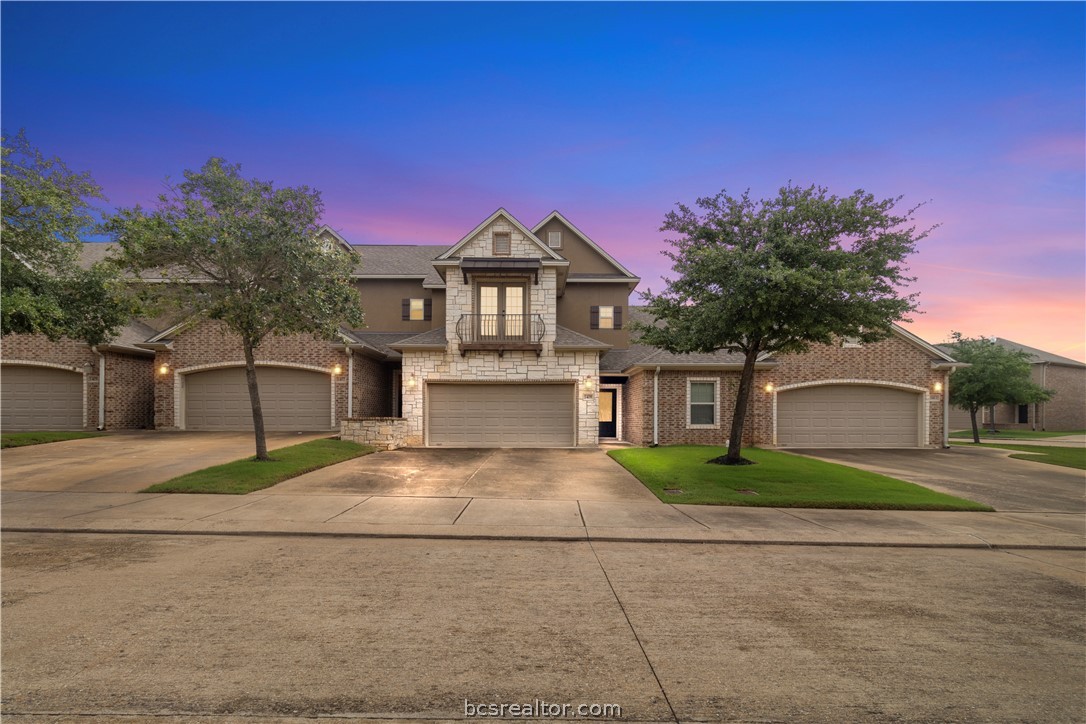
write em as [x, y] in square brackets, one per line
[416, 121]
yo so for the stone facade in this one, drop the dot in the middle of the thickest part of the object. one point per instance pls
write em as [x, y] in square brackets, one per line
[129, 390]
[383, 433]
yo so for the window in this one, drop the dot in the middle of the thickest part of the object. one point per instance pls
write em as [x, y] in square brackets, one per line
[417, 310]
[554, 239]
[852, 342]
[701, 396]
[503, 243]
[605, 317]
[1023, 413]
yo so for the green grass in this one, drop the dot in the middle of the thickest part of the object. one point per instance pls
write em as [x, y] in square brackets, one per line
[19, 439]
[245, 476]
[780, 480]
[1068, 457]
[1014, 434]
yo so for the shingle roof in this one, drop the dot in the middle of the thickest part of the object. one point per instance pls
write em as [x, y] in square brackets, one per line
[568, 339]
[135, 332]
[95, 251]
[617, 360]
[380, 341]
[391, 259]
[1036, 355]
[433, 338]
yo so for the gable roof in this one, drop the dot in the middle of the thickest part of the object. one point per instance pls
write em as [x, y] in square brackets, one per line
[551, 254]
[1037, 356]
[584, 237]
[326, 229]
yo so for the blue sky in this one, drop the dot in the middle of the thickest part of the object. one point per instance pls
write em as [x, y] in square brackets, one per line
[418, 120]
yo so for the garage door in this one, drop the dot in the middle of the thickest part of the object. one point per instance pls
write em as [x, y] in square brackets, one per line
[40, 398]
[501, 415]
[847, 416]
[291, 400]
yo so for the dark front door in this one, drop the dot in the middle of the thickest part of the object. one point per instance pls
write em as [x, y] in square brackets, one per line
[608, 413]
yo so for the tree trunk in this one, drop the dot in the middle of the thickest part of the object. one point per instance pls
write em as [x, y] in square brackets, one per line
[739, 416]
[991, 414]
[973, 420]
[254, 399]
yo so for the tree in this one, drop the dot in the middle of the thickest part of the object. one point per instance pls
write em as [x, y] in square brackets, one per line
[996, 375]
[244, 253]
[47, 213]
[777, 275]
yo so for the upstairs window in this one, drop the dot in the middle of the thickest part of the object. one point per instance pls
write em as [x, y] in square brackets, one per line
[609, 317]
[554, 239]
[852, 342]
[417, 310]
[503, 243]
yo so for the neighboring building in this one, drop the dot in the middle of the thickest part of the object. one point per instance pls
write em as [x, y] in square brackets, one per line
[1065, 411]
[519, 337]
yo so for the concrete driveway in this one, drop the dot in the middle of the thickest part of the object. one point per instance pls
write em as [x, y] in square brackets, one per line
[549, 474]
[129, 462]
[985, 475]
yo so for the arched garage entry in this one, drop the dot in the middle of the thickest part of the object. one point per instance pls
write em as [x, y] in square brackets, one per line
[36, 397]
[291, 399]
[850, 416]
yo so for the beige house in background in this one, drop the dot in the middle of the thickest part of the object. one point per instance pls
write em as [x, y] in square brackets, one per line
[1065, 411]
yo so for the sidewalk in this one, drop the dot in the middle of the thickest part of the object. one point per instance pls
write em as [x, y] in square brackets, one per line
[505, 519]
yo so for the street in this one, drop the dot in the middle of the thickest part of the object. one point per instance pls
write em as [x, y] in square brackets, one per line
[270, 627]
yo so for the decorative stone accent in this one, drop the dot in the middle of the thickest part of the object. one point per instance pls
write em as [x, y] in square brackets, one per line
[383, 433]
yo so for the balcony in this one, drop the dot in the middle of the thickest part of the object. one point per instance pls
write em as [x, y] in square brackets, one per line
[500, 332]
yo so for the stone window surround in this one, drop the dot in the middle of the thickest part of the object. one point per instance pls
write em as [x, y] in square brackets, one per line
[716, 403]
[179, 388]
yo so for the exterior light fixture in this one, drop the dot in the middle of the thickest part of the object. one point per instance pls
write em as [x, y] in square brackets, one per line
[938, 387]
[337, 370]
[588, 383]
[769, 387]
[410, 381]
[163, 369]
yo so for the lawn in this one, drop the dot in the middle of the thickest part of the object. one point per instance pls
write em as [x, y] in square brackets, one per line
[19, 439]
[1014, 434]
[778, 480]
[1068, 457]
[245, 476]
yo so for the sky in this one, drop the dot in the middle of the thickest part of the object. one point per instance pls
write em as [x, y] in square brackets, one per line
[416, 121]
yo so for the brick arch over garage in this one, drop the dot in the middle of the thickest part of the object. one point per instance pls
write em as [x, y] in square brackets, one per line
[234, 384]
[857, 408]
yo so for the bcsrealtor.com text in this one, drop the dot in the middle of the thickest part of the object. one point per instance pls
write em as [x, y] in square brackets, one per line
[539, 709]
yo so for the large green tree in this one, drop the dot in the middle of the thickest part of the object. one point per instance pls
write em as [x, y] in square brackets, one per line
[778, 275]
[995, 375]
[47, 213]
[245, 253]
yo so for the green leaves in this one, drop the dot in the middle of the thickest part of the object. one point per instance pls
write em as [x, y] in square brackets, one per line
[995, 375]
[47, 213]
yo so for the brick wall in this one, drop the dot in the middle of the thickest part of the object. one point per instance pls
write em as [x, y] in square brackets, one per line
[1067, 409]
[130, 391]
[894, 360]
[208, 344]
[634, 427]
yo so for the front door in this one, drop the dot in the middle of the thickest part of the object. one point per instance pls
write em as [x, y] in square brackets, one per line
[608, 413]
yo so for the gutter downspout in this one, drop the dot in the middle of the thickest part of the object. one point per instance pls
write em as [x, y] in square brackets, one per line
[656, 408]
[350, 382]
[946, 409]
[101, 388]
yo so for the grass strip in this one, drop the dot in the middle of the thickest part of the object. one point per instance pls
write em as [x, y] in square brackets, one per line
[19, 439]
[778, 480]
[1014, 434]
[245, 476]
[1067, 457]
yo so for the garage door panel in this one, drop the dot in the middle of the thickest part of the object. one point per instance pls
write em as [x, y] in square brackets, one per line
[290, 399]
[40, 398]
[496, 415]
[847, 416]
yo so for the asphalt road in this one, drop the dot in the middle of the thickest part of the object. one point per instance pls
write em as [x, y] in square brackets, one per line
[257, 629]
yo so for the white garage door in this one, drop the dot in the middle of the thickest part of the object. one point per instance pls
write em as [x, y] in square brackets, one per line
[40, 398]
[848, 416]
[501, 415]
[290, 399]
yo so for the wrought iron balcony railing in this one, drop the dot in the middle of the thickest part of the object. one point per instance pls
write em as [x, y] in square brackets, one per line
[500, 331]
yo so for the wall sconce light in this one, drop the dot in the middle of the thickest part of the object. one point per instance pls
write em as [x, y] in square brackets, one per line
[163, 369]
[410, 381]
[587, 384]
[769, 387]
[337, 370]
[938, 386]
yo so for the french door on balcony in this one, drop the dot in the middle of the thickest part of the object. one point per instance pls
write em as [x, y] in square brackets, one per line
[501, 311]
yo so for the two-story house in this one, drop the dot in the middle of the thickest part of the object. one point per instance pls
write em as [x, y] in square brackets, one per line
[510, 337]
